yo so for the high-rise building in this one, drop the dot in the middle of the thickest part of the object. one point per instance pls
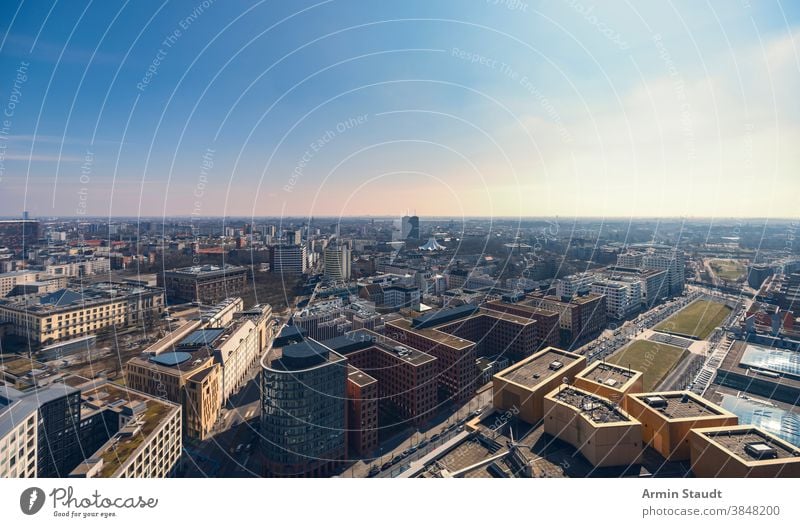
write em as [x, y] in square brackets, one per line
[288, 259]
[336, 262]
[303, 410]
[623, 297]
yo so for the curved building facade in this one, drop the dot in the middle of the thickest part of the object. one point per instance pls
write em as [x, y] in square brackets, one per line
[304, 410]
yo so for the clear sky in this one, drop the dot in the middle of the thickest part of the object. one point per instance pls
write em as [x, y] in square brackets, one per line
[462, 107]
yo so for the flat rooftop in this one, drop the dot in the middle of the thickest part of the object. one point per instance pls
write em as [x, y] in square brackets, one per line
[682, 405]
[595, 409]
[736, 439]
[363, 339]
[359, 378]
[539, 367]
[608, 374]
[768, 364]
[201, 270]
[435, 335]
[151, 413]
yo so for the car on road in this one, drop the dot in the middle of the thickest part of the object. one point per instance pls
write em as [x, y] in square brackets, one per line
[397, 459]
[436, 436]
[239, 448]
[374, 471]
[423, 443]
[386, 466]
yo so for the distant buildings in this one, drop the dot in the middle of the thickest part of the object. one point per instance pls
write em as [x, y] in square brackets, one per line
[336, 262]
[71, 313]
[288, 259]
[757, 274]
[17, 234]
[207, 284]
[580, 319]
[409, 227]
[623, 297]
[662, 258]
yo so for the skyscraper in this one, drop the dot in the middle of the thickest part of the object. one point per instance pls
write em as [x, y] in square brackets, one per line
[336, 260]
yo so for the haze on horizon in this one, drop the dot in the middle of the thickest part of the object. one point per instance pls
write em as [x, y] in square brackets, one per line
[346, 108]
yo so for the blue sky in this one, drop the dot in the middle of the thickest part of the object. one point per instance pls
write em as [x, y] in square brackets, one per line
[469, 107]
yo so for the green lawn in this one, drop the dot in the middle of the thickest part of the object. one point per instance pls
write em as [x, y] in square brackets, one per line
[697, 320]
[654, 359]
[730, 270]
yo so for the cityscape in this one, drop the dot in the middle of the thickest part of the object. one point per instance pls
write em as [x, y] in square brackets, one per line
[350, 241]
[409, 347]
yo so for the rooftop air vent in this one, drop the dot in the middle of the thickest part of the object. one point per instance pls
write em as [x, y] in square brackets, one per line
[760, 450]
[656, 401]
[556, 365]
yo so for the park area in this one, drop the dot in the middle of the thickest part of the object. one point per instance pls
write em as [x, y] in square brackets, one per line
[729, 270]
[697, 320]
[654, 359]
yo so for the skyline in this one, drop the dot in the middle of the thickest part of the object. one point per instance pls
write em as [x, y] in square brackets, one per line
[328, 109]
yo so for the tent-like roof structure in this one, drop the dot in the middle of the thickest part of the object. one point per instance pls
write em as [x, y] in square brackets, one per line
[431, 245]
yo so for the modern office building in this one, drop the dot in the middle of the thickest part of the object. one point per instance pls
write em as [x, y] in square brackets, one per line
[58, 447]
[406, 377]
[741, 452]
[623, 298]
[661, 258]
[654, 282]
[760, 370]
[19, 444]
[523, 386]
[207, 284]
[323, 320]
[597, 428]
[336, 261]
[71, 313]
[127, 434]
[304, 410]
[669, 417]
[362, 412]
[457, 373]
[190, 377]
[573, 285]
[580, 319]
[547, 330]
[288, 259]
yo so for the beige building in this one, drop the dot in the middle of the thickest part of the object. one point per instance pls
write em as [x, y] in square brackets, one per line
[67, 313]
[669, 417]
[610, 381]
[189, 378]
[598, 428]
[524, 385]
[742, 452]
